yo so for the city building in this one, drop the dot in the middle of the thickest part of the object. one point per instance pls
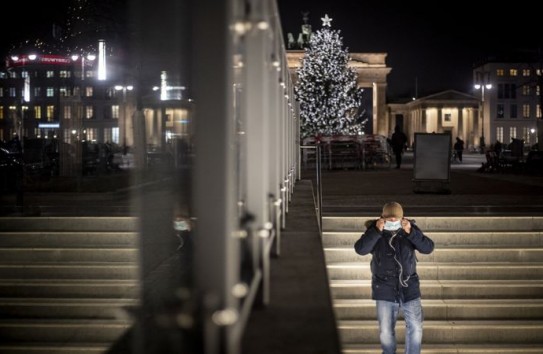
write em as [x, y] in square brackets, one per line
[449, 111]
[79, 98]
[510, 94]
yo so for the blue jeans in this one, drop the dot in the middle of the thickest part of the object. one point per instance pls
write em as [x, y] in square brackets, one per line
[387, 314]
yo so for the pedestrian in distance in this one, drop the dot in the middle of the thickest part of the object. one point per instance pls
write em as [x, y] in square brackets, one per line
[398, 142]
[459, 148]
[392, 241]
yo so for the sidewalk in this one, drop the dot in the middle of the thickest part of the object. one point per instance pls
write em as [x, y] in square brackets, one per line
[472, 192]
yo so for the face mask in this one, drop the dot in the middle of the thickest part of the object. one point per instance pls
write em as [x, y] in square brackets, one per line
[393, 225]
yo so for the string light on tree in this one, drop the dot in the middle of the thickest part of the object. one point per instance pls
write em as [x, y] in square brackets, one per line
[326, 88]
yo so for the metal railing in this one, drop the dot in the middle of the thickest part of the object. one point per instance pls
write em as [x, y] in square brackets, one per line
[318, 178]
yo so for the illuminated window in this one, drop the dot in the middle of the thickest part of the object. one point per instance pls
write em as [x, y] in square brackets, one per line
[538, 111]
[537, 90]
[513, 132]
[447, 117]
[89, 73]
[24, 74]
[499, 134]
[500, 72]
[77, 91]
[50, 92]
[13, 75]
[50, 73]
[526, 134]
[526, 110]
[64, 92]
[89, 112]
[115, 112]
[526, 72]
[67, 112]
[67, 136]
[12, 92]
[538, 72]
[525, 90]
[513, 72]
[37, 112]
[92, 134]
[1, 113]
[65, 73]
[50, 112]
[37, 91]
[88, 91]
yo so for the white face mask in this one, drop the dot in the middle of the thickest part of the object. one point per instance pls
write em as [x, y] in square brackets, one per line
[393, 225]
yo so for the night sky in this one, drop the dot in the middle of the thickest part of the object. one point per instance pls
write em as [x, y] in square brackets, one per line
[433, 45]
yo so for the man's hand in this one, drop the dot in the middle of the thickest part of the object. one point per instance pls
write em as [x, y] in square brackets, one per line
[380, 224]
[406, 226]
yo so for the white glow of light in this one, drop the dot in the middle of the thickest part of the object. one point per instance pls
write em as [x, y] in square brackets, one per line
[75, 57]
[26, 91]
[163, 86]
[14, 58]
[263, 25]
[488, 86]
[477, 86]
[102, 72]
[32, 56]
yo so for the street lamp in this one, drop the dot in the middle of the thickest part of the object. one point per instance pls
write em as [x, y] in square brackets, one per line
[124, 89]
[482, 86]
[83, 58]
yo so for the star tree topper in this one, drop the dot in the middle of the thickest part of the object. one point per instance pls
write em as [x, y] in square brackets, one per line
[326, 21]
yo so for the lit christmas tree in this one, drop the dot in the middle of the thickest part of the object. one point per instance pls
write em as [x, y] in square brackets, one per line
[326, 88]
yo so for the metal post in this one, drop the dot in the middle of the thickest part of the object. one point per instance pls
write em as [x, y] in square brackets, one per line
[319, 186]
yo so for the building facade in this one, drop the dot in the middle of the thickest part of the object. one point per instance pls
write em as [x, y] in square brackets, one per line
[449, 111]
[65, 99]
[510, 93]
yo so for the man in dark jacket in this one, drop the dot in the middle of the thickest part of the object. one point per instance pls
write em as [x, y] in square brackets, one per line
[392, 241]
[397, 142]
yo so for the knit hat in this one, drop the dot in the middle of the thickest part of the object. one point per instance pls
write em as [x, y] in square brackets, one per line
[392, 210]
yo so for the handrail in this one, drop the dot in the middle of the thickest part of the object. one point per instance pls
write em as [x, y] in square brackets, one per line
[318, 170]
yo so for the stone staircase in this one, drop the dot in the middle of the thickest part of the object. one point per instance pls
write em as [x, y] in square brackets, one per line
[482, 286]
[66, 283]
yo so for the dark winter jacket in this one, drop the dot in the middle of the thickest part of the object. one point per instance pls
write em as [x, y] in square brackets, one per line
[394, 263]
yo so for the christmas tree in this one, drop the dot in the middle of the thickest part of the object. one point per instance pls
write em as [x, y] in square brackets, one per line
[326, 88]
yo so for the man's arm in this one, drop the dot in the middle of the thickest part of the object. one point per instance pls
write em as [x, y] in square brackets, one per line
[367, 241]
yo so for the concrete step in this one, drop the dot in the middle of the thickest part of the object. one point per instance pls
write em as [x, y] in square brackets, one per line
[61, 308]
[451, 309]
[445, 271]
[485, 348]
[79, 223]
[465, 238]
[70, 288]
[58, 331]
[447, 254]
[54, 348]
[449, 289]
[40, 255]
[73, 270]
[440, 223]
[64, 239]
[453, 332]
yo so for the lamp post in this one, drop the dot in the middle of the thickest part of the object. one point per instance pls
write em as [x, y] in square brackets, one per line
[83, 58]
[482, 86]
[124, 89]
